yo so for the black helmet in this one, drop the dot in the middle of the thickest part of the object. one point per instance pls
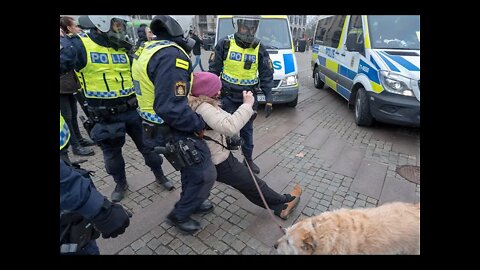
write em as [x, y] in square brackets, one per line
[162, 25]
[168, 24]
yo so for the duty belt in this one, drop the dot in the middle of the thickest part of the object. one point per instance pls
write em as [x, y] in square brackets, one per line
[105, 111]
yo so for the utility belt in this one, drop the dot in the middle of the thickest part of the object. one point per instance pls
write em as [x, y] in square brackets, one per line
[97, 113]
[180, 153]
[75, 230]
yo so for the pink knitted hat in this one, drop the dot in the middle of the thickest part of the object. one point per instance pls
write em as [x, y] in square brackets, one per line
[205, 84]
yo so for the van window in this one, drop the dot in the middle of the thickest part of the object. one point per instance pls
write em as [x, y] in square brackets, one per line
[355, 33]
[320, 31]
[394, 32]
[273, 33]
[334, 32]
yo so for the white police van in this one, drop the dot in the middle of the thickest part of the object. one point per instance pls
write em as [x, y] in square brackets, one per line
[373, 62]
[274, 33]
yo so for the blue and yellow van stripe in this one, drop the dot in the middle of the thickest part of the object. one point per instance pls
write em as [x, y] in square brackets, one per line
[372, 75]
[400, 60]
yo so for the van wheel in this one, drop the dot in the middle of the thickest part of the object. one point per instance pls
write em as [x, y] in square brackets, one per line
[316, 79]
[363, 117]
[293, 103]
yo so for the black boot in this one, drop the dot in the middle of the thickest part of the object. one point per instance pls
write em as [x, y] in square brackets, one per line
[82, 151]
[86, 142]
[165, 182]
[255, 168]
[119, 192]
[188, 225]
[205, 207]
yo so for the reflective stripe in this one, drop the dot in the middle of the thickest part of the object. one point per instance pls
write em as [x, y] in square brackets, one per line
[228, 78]
[64, 135]
[102, 94]
[150, 117]
[181, 63]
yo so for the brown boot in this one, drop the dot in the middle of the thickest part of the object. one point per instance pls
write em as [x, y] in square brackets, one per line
[290, 206]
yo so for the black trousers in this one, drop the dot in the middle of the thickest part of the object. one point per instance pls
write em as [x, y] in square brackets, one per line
[235, 174]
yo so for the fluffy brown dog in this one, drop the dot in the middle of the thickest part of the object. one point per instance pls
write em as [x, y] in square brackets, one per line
[392, 228]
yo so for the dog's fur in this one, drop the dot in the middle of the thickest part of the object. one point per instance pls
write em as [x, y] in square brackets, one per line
[392, 228]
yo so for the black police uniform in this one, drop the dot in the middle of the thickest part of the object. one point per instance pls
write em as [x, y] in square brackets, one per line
[171, 105]
[74, 56]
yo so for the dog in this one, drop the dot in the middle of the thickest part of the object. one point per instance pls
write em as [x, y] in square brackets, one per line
[393, 228]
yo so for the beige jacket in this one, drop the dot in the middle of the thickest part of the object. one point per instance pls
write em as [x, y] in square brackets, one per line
[222, 123]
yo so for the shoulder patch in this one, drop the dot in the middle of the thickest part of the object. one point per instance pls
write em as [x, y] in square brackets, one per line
[180, 89]
[180, 63]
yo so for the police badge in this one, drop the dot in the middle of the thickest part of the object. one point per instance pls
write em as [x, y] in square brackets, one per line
[180, 89]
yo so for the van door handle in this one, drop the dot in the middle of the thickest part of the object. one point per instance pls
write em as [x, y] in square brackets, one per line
[337, 52]
[343, 54]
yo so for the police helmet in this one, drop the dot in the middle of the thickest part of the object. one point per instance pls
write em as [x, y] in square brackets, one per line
[85, 23]
[246, 26]
[168, 24]
[104, 22]
[114, 27]
[165, 24]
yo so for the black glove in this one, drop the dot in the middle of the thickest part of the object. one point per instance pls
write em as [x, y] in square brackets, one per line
[268, 109]
[112, 220]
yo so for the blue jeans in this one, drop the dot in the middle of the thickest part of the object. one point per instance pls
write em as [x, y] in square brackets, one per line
[112, 148]
[198, 60]
[246, 132]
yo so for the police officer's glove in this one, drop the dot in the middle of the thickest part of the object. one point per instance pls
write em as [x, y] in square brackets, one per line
[112, 220]
[268, 109]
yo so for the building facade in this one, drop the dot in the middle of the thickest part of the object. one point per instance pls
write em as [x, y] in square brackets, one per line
[298, 25]
[204, 23]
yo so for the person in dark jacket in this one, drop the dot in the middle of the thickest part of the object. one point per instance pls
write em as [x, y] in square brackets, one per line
[68, 104]
[196, 50]
[79, 195]
[81, 205]
[142, 35]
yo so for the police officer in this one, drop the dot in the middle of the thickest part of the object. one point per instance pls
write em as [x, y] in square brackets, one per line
[162, 77]
[102, 65]
[81, 205]
[236, 59]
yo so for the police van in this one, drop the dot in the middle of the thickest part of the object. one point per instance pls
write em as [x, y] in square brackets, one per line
[373, 62]
[274, 33]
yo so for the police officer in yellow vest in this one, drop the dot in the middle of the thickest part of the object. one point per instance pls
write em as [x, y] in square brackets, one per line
[162, 76]
[102, 65]
[81, 204]
[237, 59]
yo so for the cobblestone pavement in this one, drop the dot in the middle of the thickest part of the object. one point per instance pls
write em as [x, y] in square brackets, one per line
[317, 145]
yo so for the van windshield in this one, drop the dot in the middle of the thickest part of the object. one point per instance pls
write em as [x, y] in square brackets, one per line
[273, 33]
[394, 32]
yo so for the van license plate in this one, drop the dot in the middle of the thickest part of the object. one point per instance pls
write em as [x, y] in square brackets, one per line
[260, 98]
